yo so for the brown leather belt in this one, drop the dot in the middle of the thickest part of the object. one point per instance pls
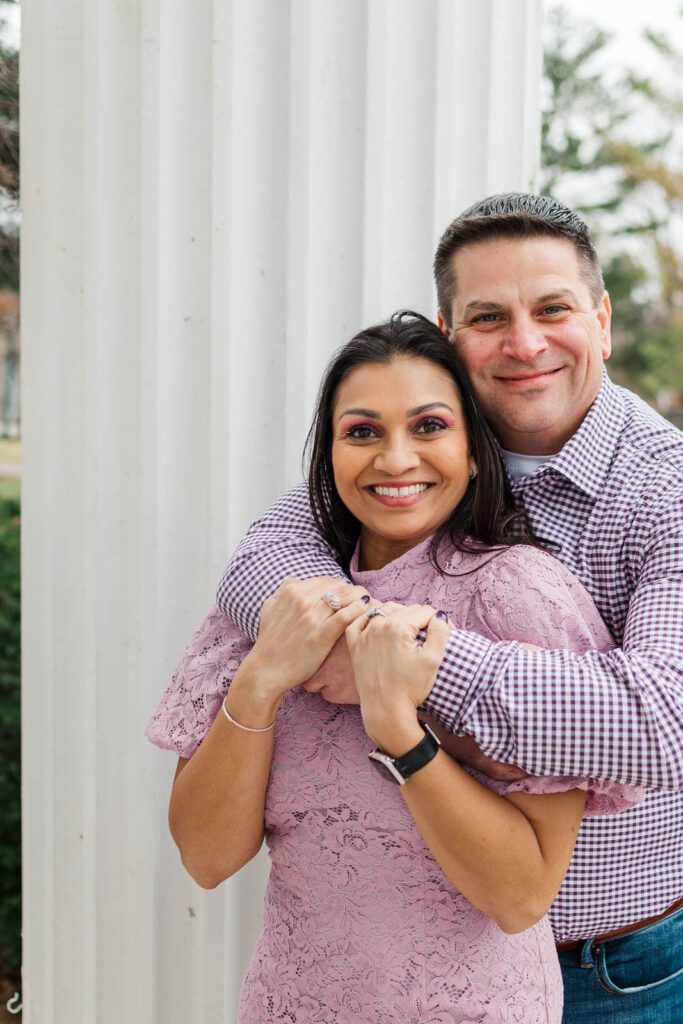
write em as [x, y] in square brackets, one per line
[562, 947]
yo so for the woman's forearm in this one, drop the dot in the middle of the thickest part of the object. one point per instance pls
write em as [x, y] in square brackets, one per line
[486, 846]
[508, 863]
[217, 806]
[216, 812]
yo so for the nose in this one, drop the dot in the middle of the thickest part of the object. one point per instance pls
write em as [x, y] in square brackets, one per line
[396, 456]
[524, 339]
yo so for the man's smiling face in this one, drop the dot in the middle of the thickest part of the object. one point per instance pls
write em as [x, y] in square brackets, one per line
[533, 342]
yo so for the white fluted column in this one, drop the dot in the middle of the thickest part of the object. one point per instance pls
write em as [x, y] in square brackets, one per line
[216, 195]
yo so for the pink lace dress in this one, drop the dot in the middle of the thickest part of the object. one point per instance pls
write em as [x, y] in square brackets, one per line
[360, 925]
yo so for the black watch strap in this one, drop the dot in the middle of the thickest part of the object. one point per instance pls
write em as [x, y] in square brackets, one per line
[401, 768]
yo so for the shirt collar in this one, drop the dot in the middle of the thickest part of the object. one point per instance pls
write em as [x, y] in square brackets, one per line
[587, 456]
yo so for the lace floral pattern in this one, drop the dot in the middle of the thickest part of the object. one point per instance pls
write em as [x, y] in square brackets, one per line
[193, 697]
[360, 923]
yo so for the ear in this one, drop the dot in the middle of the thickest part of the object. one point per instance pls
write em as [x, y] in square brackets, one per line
[604, 315]
[443, 326]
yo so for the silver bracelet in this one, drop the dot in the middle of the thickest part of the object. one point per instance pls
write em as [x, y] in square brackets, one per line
[245, 728]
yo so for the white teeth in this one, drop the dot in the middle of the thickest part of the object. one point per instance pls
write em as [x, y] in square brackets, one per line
[400, 492]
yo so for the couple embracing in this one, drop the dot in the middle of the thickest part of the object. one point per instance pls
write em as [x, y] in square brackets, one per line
[444, 678]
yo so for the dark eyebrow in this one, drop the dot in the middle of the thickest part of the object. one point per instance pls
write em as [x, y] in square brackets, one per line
[496, 307]
[373, 415]
[430, 405]
[486, 307]
[370, 413]
[562, 293]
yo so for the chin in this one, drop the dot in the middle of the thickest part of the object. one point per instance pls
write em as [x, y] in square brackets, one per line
[413, 537]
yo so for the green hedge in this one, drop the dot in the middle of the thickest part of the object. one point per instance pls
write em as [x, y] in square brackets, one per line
[10, 764]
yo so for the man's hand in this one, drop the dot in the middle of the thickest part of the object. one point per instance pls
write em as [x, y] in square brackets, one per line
[334, 680]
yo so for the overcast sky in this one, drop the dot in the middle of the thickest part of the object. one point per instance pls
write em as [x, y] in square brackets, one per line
[11, 16]
[626, 19]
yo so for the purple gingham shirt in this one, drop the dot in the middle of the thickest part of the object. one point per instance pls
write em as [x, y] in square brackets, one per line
[612, 502]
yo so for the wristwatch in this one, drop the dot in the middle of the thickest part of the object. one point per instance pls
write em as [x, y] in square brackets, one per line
[399, 769]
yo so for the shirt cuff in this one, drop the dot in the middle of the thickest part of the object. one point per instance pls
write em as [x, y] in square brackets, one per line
[470, 666]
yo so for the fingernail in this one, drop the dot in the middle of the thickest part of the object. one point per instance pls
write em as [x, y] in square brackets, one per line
[442, 615]
[365, 598]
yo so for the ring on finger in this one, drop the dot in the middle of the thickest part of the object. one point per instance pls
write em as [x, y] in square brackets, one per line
[374, 612]
[331, 600]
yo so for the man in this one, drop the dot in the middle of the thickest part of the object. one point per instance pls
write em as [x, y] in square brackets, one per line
[600, 476]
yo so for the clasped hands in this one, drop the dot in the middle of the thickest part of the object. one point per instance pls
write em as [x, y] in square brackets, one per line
[378, 662]
[306, 620]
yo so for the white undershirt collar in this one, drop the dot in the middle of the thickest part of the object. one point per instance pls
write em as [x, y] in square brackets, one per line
[522, 465]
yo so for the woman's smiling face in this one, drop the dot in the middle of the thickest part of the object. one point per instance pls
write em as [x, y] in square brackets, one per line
[400, 453]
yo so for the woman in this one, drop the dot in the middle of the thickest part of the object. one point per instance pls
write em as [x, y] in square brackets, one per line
[418, 901]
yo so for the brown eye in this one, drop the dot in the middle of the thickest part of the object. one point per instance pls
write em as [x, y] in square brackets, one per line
[431, 426]
[361, 432]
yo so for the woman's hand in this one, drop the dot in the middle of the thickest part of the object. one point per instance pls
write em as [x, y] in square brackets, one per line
[394, 671]
[299, 629]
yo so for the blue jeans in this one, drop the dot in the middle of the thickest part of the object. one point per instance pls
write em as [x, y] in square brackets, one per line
[635, 979]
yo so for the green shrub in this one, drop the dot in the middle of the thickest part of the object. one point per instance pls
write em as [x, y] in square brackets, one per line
[10, 763]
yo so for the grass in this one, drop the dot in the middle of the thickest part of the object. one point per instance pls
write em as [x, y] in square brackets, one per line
[10, 450]
[10, 487]
[10, 455]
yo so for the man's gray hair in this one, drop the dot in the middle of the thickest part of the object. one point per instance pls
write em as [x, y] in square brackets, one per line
[514, 215]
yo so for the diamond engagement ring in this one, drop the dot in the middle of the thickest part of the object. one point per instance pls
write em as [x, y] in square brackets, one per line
[331, 600]
[374, 612]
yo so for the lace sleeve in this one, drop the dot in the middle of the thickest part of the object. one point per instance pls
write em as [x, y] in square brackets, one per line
[193, 697]
[602, 797]
[526, 594]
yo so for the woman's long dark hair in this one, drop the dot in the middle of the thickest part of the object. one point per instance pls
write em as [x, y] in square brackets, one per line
[485, 517]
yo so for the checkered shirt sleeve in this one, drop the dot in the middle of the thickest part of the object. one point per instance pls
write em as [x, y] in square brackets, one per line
[615, 715]
[283, 542]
